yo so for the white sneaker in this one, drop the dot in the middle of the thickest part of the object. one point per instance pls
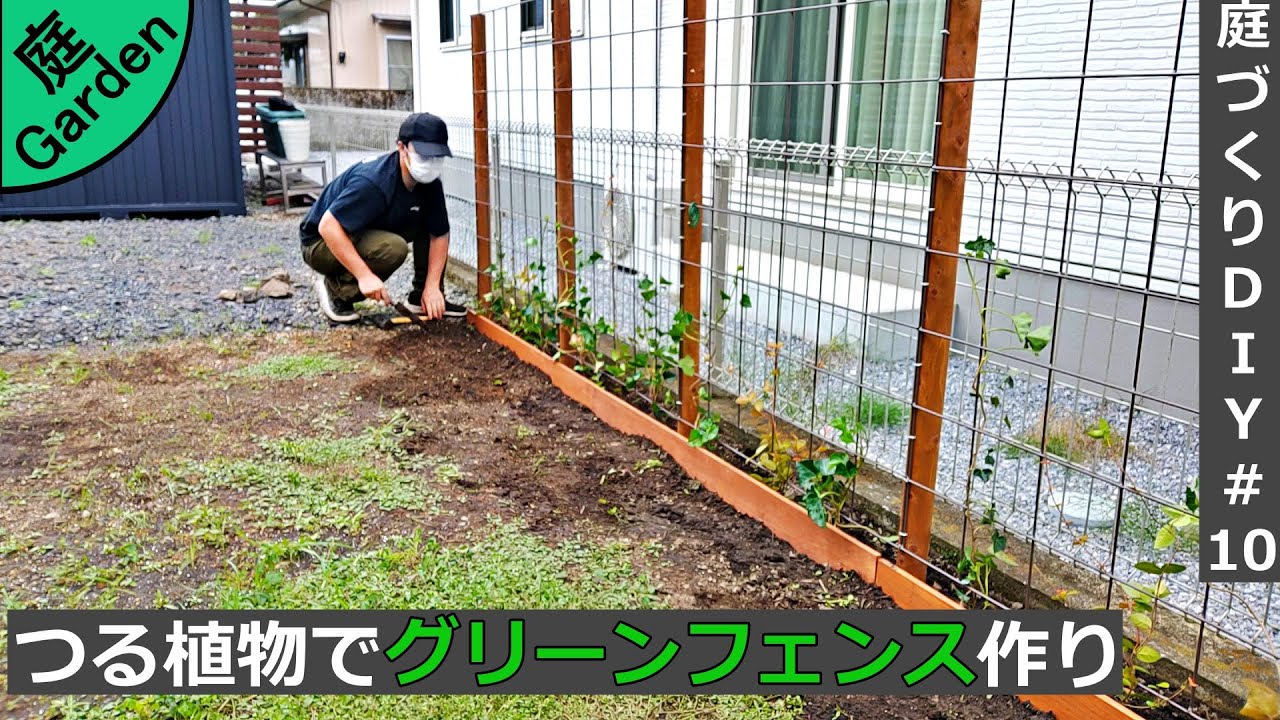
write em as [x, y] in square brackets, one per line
[335, 311]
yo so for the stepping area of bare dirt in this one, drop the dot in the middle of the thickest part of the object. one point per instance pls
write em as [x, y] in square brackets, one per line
[365, 468]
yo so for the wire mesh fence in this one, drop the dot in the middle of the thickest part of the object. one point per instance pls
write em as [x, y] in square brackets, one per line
[1068, 442]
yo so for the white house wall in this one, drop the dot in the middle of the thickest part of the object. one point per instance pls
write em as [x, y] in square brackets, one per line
[1034, 141]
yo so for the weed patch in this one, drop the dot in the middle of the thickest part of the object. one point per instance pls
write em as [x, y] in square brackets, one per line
[1066, 436]
[11, 390]
[315, 483]
[293, 367]
[872, 410]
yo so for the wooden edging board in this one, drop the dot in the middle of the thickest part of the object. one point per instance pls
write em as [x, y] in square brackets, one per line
[826, 546]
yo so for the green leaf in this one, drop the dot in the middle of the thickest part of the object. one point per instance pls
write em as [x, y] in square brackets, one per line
[1022, 325]
[1147, 654]
[1006, 558]
[686, 365]
[806, 473]
[695, 215]
[1162, 589]
[817, 509]
[1039, 338]
[706, 431]
[1148, 567]
[995, 401]
[1142, 621]
[999, 543]
[1165, 537]
[1172, 568]
[1192, 499]
[1002, 269]
[981, 247]
[745, 301]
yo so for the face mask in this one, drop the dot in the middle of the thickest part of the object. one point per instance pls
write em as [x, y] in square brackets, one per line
[425, 170]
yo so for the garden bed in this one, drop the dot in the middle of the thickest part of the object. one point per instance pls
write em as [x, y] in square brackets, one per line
[341, 469]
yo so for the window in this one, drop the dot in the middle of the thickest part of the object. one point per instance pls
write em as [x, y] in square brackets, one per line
[532, 15]
[820, 69]
[448, 21]
[293, 57]
[455, 23]
[399, 63]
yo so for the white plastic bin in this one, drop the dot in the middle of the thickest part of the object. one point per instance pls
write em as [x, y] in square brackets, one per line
[295, 135]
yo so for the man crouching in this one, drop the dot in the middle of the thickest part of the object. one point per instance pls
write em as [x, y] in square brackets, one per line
[359, 232]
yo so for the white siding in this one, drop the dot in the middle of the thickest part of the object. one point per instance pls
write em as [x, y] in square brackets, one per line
[1043, 120]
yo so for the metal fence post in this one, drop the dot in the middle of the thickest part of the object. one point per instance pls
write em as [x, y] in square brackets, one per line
[333, 144]
[720, 189]
[480, 105]
[937, 310]
[695, 56]
[495, 182]
[562, 79]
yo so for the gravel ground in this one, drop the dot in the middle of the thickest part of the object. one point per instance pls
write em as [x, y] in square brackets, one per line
[109, 282]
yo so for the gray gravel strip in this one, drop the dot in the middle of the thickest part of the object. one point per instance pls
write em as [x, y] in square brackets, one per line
[109, 282]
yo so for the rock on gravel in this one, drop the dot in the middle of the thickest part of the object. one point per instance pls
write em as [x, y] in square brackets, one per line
[276, 288]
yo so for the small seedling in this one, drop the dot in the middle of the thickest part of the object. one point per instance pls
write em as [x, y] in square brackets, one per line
[647, 465]
[89, 241]
[705, 432]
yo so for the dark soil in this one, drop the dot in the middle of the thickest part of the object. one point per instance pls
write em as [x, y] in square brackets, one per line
[68, 456]
[520, 442]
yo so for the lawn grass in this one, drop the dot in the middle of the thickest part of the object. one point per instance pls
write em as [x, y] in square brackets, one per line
[503, 567]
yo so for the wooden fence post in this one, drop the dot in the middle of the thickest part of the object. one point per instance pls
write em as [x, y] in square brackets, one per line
[480, 105]
[695, 58]
[937, 311]
[562, 81]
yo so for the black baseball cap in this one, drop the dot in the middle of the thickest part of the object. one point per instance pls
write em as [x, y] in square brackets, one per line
[428, 135]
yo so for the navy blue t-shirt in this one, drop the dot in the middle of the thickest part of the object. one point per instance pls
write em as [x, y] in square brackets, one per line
[371, 196]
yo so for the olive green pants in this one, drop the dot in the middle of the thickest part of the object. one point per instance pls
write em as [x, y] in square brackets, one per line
[382, 251]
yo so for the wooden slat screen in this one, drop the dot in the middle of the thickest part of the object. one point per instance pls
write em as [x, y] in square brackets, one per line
[255, 31]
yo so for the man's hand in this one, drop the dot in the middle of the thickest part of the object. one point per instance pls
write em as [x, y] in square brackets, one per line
[374, 289]
[433, 303]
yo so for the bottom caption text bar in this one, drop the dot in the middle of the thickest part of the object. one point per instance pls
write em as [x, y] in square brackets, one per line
[886, 652]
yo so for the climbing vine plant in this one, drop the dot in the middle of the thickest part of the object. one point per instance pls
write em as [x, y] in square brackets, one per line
[1000, 331]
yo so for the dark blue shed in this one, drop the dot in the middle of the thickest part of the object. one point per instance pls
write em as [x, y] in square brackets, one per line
[186, 161]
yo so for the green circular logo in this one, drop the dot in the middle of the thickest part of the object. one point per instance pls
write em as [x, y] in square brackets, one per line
[80, 79]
